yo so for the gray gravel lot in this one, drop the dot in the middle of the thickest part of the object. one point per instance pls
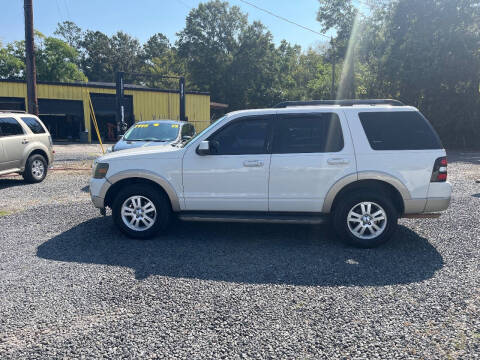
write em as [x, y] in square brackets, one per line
[73, 286]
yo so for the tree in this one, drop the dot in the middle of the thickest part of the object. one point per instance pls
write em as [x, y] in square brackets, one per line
[12, 66]
[155, 47]
[343, 17]
[56, 61]
[70, 33]
[167, 64]
[96, 56]
[125, 53]
[252, 71]
[207, 45]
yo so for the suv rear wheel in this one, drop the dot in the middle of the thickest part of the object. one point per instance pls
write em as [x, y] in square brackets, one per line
[365, 219]
[35, 169]
[140, 211]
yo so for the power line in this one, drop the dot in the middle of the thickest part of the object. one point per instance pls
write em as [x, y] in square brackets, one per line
[284, 19]
[66, 8]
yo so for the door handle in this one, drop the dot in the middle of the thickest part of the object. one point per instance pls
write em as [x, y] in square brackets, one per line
[25, 141]
[252, 163]
[338, 161]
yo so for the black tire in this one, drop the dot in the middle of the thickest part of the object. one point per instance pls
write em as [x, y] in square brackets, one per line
[145, 192]
[351, 200]
[32, 172]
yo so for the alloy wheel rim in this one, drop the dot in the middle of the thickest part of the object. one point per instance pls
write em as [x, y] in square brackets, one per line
[38, 169]
[138, 213]
[367, 220]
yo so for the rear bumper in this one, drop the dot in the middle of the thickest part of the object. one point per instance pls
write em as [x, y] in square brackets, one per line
[438, 199]
[436, 204]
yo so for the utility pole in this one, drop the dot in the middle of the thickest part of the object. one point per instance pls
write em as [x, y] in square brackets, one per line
[119, 103]
[31, 74]
[181, 85]
[333, 69]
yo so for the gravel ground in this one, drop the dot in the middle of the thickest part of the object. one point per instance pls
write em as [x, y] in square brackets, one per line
[77, 155]
[73, 286]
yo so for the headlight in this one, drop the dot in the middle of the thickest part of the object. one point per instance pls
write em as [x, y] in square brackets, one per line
[100, 170]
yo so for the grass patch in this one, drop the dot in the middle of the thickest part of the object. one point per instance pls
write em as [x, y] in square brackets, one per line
[5, 213]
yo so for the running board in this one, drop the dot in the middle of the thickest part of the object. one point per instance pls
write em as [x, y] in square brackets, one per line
[254, 217]
[10, 171]
[422, 216]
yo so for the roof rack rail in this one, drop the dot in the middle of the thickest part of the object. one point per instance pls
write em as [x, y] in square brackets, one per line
[286, 104]
[13, 111]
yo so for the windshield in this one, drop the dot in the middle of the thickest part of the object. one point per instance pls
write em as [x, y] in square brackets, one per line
[204, 130]
[159, 131]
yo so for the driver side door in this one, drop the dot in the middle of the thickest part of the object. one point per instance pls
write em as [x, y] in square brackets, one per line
[234, 176]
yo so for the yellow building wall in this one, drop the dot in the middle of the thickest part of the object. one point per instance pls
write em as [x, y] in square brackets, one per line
[147, 105]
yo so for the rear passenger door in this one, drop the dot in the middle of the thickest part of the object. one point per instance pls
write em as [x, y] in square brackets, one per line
[311, 152]
[13, 139]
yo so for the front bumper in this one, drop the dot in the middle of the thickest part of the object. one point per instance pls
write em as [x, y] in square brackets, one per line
[98, 202]
[98, 190]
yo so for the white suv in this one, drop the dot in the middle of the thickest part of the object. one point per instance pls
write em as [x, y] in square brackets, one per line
[362, 163]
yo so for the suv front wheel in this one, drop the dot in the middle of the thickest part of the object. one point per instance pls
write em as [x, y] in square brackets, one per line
[140, 211]
[35, 169]
[365, 219]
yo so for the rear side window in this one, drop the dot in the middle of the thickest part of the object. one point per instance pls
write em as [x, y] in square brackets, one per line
[34, 125]
[399, 130]
[10, 127]
[308, 133]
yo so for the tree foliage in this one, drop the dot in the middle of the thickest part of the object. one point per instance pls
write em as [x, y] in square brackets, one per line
[55, 60]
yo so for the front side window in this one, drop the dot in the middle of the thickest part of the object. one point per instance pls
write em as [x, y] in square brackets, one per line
[34, 125]
[244, 136]
[10, 127]
[308, 133]
[399, 130]
[157, 131]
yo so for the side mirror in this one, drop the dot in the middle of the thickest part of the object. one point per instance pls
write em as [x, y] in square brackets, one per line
[203, 148]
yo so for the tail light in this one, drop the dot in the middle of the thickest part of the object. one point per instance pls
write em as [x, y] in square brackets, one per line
[439, 173]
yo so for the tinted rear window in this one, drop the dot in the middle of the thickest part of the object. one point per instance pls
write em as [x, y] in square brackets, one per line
[399, 130]
[34, 125]
[308, 133]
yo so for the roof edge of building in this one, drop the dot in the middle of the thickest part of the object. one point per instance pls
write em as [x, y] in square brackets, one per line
[105, 86]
